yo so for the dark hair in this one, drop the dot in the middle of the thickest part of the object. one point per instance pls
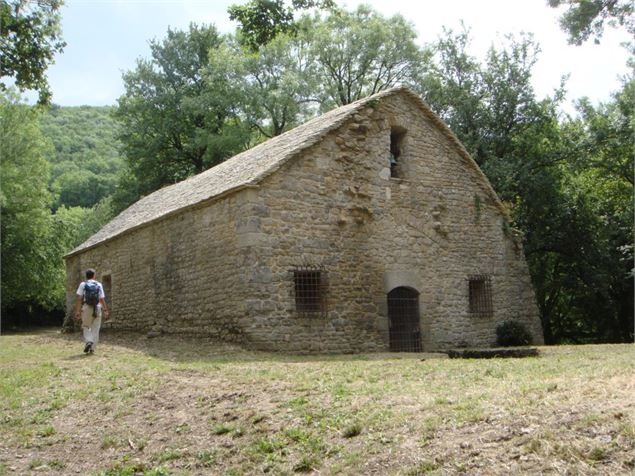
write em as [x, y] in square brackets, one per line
[90, 273]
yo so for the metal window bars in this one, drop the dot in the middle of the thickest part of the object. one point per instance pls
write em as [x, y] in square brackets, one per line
[480, 295]
[310, 285]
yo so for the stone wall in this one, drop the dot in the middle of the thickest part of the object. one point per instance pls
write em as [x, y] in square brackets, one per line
[337, 207]
[182, 274]
[225, 269]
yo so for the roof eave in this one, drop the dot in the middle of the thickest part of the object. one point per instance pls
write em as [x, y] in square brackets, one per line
[202, 203]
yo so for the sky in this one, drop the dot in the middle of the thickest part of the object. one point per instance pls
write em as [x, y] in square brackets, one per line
[105, 37]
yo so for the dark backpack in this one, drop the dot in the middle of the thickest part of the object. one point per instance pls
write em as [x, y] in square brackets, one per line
[91, 293]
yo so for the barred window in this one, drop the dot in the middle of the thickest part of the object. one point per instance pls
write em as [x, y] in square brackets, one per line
[310, 290]
[480, 289]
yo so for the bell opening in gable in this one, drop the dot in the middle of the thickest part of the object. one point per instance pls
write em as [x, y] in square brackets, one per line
[397, 135]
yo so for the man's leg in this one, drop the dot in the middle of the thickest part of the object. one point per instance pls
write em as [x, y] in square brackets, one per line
[87, 322]
[95, 331]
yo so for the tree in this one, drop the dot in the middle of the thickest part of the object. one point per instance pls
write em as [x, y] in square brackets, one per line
[487, 105]
[85, 161]
[27, 272]
[322, 63]
[361, 53]
[30, 36]
[453, 86]
[34, 239]
[262, 20]
[601, 142]
[527, 155]
[601, 164]
[276, 83]
[586, 18]
[175, 121]
[607, 135]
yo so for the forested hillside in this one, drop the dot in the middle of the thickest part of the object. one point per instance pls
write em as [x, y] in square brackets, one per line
[85, 160]
[59, 167]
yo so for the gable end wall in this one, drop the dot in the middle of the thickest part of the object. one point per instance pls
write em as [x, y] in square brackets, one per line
[336, 207]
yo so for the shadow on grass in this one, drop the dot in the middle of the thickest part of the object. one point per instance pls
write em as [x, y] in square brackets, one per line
[188, 349]
[30, 330]
[77, 357]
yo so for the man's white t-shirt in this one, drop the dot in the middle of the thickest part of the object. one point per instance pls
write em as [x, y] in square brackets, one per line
[80, 289]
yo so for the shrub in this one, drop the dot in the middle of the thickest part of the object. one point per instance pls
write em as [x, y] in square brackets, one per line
[511, 333]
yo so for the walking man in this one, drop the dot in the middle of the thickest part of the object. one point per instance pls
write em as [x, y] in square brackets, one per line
[89, 305]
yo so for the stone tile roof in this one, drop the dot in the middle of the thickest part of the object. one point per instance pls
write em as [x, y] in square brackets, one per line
[245, 169]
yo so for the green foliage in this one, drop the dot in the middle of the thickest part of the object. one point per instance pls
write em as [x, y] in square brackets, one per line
[27, 270]
[452, 85]
[486, 105]
[134, 470]
[221, 429]
[74, 225]
[169, 454]
[512, 333]
[601, 169]
[195, 102]
[568, 185]
[580, 251]
[324, 62]
[606, 135]
[126, 191]
[307, 464]
[361, 53]
[33, 238]
[206, 458]
[263, 20]
[38, 370]
[201, 98]
[276, 84]
[85, 161]
[30, 35]
[175, 122]
[584, 19]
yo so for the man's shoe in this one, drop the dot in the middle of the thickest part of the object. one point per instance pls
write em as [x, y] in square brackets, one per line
[87, 347]
[92, 349]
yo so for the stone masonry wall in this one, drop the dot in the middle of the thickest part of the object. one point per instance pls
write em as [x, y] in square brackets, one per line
[338, 208]
[180, 275]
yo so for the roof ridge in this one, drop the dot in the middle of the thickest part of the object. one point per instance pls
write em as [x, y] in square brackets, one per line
[244, 169]
[251, 166]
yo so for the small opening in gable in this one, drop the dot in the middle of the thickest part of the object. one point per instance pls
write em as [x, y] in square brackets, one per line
[397, 135]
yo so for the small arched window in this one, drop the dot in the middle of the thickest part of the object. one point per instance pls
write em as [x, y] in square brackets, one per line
[397, 135]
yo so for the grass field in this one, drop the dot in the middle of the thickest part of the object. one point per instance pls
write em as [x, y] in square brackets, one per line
[176, 406]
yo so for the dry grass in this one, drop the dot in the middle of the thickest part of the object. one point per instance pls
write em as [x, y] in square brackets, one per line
[184, 406]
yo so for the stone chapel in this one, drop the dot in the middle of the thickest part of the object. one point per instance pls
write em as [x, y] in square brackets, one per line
[368, 228]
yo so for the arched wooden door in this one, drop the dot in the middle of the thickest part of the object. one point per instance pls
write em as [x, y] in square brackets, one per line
[403, 318]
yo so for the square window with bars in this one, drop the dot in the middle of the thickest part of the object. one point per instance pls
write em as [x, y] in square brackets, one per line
[480, 289]
[310, 290]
